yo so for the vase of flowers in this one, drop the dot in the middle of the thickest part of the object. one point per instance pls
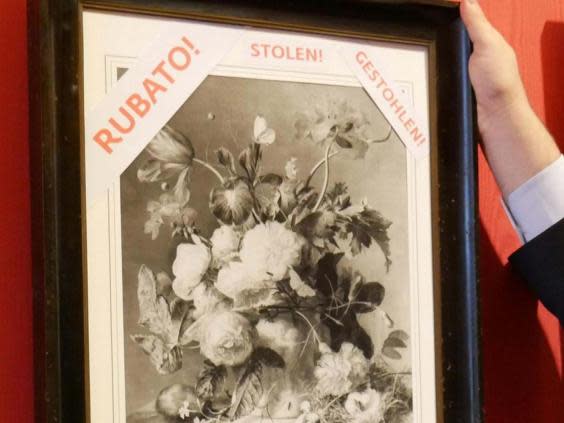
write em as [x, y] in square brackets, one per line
[270, 300]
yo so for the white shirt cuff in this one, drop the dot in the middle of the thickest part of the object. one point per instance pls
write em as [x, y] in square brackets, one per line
[539, 203]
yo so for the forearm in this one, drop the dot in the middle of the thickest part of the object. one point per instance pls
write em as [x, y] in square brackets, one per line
[517, 144]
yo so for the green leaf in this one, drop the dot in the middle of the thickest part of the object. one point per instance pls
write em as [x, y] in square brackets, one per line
[249, 388]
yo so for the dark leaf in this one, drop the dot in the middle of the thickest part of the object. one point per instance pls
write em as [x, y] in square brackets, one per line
[358, 146]
[339, 189]
[210, 382]
[367, 226]
[268, 358]
[349, 330]
[344, 202]
[326, 277]
[164, 284]
[249, 160]
[391, 353]
[272, 179]
[394, 343]
[342, 142]
[232, 203]
[249, 388]
[178, 309]
[321, 224]
[225, 158]
[347, 127]
[369, 295]
[332, 132]
[245, 163]
[400, 334]
[362, 340]
[396, 339]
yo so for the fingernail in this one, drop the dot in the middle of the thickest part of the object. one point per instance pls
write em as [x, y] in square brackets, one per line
[472, 1]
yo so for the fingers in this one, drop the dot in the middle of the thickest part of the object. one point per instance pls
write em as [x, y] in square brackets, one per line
[479, 28]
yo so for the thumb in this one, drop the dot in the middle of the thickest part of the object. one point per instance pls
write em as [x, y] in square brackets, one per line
[479, 28]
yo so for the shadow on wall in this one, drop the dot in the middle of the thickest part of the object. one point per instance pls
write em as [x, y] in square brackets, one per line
[552, 45]
[522, 380]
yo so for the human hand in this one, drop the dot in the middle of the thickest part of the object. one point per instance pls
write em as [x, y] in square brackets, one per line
[493, 68]
[517, 145]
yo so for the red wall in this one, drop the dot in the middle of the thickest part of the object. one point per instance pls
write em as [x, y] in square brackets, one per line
[522, 344]
[523, 347]
[16, 339]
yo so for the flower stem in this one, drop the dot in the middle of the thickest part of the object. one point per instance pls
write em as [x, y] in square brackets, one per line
[314, 332]
[210, 168]
[386, 138]
[318, 165]
[326, 178]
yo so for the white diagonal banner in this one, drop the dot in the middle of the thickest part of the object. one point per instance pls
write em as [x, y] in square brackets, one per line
[366, 64]
[148, 95]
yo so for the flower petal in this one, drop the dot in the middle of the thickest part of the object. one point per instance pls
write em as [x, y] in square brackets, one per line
[171, 146]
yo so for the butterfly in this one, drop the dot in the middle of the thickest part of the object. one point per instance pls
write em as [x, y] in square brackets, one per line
[262, 133]
[165, 320]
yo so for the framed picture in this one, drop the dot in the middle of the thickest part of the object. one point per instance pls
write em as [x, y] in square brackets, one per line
[254, 211]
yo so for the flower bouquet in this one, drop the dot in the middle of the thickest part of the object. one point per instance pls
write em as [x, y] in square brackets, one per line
[270, 300]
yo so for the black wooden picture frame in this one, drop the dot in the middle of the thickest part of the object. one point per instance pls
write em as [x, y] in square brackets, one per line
[57, 197]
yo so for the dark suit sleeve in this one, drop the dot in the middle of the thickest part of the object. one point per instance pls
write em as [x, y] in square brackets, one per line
[541, 263]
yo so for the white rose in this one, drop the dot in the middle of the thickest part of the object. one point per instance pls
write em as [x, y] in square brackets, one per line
[307, 416]
[225, 243]
[339, 372]
[227, 338]
[332, 374]
[359, 363]
[365, 407]
[270, 250]
[282, 336]
[236, 277]
[190, 265]
[232, 279]
[207, 299]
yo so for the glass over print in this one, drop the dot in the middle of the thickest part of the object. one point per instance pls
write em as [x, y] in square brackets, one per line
[266, 255]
